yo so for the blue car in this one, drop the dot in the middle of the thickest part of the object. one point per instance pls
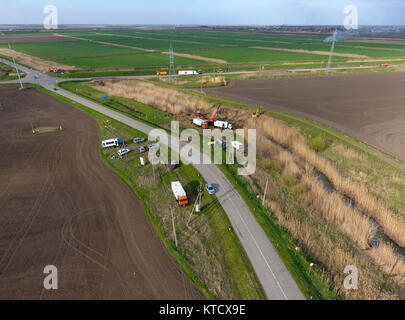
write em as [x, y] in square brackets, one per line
[210, 188]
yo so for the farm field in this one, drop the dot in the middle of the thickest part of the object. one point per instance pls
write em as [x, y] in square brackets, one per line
[92, 56]
[146, 50]
[62, 205]
[356, 104]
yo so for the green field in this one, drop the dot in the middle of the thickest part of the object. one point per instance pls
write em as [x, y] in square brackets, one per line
[92, 56]
[125, 52]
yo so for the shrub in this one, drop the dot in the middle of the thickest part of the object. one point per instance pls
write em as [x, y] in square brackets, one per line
[298, 189]
[272, 165]
[288, 179]
[318, 144]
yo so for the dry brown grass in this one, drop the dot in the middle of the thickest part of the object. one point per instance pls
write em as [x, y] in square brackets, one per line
[333, 208]
[34, 62]
[392, 225]
[392, 263]
[169, 100]
[192, 56]
[323, 53]
[332, 254]
[204, 80]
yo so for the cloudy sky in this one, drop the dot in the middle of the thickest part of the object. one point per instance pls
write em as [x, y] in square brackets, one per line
[268, 12]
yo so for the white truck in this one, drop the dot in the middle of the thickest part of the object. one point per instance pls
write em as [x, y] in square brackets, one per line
[201, 123]
[179, 193]
[222, 124]
[188, 73]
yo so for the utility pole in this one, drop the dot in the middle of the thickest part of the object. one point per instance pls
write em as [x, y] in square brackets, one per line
[265, 191]
[172, 71]
[197, 200]
[174, 227]
[18, 73]
[331, 51]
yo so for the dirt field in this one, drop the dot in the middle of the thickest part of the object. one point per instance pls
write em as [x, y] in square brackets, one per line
[61, 205]
[370, 107]
[34, 38]
[34, 62]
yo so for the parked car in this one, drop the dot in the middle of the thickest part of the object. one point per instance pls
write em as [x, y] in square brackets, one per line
[143, 149]
[210, 188]
[123, 152]
[139, 140]
[154, 145]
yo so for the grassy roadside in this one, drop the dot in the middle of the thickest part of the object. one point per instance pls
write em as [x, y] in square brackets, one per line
[219, 80]
[213, 233]
[7, 73]
[311, 281]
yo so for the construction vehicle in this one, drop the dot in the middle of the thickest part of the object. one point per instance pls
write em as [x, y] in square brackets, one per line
[222, 124]
[55, 70]
[179, 193]
[161, 73]
[257, 113]
[201, 123]
[204, 123]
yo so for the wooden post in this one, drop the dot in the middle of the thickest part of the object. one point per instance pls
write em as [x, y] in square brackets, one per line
[265, 191]
[195, 202]
[174, 228]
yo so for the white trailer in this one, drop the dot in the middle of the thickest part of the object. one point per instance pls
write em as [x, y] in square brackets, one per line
[179, 193]
[222, 124]
[188, 73]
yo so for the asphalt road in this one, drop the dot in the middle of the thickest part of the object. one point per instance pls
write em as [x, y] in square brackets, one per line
[275, 279]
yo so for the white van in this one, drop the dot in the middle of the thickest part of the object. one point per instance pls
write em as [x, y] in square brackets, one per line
[110, 143]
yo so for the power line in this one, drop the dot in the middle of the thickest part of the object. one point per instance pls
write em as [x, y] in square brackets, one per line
[172, 71]
[331, 51]
[18, 73]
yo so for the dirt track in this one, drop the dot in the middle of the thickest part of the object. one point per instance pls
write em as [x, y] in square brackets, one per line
[61, 205]
[34, 38]
[370, 107]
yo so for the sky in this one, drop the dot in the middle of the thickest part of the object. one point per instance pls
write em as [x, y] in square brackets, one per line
[206, 12]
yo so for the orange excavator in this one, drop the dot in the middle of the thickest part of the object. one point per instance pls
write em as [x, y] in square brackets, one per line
[214, 115]
[203, 123]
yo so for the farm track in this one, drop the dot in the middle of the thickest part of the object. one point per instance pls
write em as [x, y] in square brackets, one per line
[62, 205]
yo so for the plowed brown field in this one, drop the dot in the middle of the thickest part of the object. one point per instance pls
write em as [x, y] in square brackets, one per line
[370, 107]
[61, 205]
